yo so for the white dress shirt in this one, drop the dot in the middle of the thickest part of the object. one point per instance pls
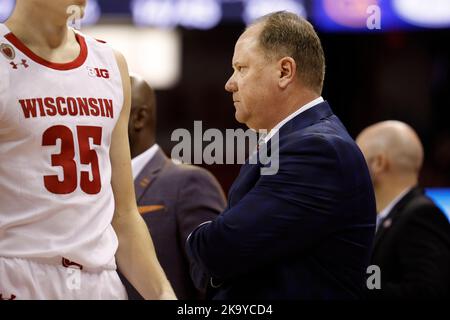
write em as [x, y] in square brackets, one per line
[138, 163]
[307, 106]
[384, 213]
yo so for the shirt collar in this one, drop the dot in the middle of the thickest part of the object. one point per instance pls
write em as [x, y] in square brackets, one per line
[138, 163]
[384, 213]
[307, 106]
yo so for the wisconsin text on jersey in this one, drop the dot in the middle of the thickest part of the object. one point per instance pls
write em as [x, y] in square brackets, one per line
[69, 106]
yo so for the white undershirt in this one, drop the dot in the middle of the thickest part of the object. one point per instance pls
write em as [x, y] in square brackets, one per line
[307, 106]
[139, 162]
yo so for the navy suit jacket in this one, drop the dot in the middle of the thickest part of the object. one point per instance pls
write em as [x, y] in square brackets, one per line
[303, 233]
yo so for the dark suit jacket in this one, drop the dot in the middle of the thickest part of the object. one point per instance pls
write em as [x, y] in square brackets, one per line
[304, 233]
[173, 200]
[412, 249]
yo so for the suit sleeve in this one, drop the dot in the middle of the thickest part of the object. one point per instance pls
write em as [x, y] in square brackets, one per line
[200, 199]
[424, 257]
[283, 215]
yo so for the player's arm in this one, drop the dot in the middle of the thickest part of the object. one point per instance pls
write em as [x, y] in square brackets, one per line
[136, 255]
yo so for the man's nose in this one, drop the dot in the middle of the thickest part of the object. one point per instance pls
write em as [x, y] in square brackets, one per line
[231, 86]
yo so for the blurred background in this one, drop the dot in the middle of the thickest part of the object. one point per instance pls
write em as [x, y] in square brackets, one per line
[386, 59]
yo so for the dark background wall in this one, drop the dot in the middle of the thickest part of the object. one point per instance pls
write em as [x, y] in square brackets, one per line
[369, 78]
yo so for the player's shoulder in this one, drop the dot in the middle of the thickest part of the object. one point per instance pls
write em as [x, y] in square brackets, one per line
[101, 43]
[102, 46]
[94, 42]
[121, 61]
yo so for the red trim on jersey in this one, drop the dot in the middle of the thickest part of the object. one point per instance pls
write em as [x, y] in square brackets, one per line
[53, 65]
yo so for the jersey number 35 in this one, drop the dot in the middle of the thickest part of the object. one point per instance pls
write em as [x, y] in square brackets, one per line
[66, 159]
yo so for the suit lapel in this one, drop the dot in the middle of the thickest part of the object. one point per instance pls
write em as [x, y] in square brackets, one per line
[301, 121]
[149, 173]
[395, 213]
[306, 118]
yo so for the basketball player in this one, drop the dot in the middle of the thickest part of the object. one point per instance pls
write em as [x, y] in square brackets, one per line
[67, 205]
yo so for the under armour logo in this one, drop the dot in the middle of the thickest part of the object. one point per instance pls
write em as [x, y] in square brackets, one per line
[67, 264]
[23, 63]
[13, 297]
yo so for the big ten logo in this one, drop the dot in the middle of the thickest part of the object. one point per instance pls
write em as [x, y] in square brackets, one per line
[73, 281]
[97, 72]
[374, 280]
[75, 15]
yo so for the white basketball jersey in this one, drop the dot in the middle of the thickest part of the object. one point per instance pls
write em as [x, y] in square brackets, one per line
[56, 122]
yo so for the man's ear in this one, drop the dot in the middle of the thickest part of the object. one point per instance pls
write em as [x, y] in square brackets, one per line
[379, 164]
[287, 71]
[139, 118]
